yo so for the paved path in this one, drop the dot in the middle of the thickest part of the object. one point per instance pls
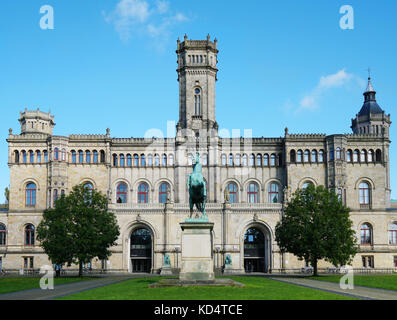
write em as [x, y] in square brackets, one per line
[358, 291]
[66, 289]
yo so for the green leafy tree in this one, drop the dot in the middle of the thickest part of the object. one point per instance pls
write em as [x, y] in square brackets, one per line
[7, 195]
[316, 225]
[79, 228]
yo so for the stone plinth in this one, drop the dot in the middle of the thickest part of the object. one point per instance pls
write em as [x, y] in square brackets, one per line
[197, 258]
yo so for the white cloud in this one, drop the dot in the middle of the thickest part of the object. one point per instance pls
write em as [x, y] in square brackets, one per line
[338, 79]
[132, 17]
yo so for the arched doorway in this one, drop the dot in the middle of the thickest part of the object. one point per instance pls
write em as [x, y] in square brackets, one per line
[141, 250]
[255, 251]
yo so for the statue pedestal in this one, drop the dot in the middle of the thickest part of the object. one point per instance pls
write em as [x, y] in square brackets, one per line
[197, 255]
[166, 270]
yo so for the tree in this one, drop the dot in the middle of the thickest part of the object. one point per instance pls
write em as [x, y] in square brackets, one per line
[79, 228]
[316, 225]
[7, 195]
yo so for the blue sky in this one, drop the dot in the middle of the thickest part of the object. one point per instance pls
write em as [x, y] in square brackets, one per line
[111, 63]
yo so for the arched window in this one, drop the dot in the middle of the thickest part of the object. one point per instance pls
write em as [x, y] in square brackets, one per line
[129, 160]
[252, 193]
[115, 160]
[31, 156]
[306, 184]
[223, 159]
[150, 160]
[245, 160]
[299, 156]
[81, 156]
[378, 155]
[292, 156]
[238, 160]
[233, 192]
[121, 194]
[306, 155]
[363, 156]
[272, 160]
[156, 160]
[16, 154]
[171, 159]
[74, 160]
[143, 193]
[102, 156]
[164, 160]
[370, 156]
[3, 233]
[24, 160]
[349, 155]
[89, 186]
[29, 235]
[266, 160]
[366, 234]
[338, 153]
[122, 160]
[355, 155]
[321, 156]
[252, 160]
[273, 192]
[314, 156]
[230, 159]
[136, 160]
[56, 154]
[30, 194]
[197, 102]
[63, 155]
[88, 156]
[55, 198]
[364, 193]
[95, 156]
[393, 233]
[163, 189]
[258, 160]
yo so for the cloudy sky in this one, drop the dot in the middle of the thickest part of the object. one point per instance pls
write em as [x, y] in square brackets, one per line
[111, 63]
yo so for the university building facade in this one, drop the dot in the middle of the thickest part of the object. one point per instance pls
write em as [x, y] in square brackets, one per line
[145, 181]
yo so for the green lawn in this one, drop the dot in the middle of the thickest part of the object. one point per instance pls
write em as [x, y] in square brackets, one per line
[23, 283]
[388, 281]
[256, 289]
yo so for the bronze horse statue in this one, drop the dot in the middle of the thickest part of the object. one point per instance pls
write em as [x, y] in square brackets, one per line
[197, 189]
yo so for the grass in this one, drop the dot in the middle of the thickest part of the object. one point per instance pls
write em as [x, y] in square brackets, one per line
[375, 281]
[255, 289]
[13, 284]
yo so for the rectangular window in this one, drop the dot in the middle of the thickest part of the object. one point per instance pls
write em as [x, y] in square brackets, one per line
[368, 261]
[393, 237]
[28, 263]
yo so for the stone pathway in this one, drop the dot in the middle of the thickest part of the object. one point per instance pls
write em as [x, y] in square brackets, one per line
[67, 289]
[358, 291]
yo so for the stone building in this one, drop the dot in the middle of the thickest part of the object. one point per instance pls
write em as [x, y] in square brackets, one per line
[145, 181]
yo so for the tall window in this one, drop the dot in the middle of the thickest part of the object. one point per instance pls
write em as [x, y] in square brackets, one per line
[73, 156]
[321, 156]
[115, 160]
[253, 193]
[331, 154]
[197, 102]
[232, 188]
[88, 156]
[24, 160]
[190, 159]
[393, 233]
[156, 160]
[370, 156]
[314, 156]
[362, 156]
[63, 155]
[122, 161]
[16, 156]
[163, 189]
[306, 155]
[81, 156]
[223, 160]
[45, 156]
[55, 196]
[338, 153]
[102, 153]
[230, 159]
[266, 160]
[355, 155]
[56, 154]
[31, 156]
[30, 194]
[95, 156]
[273, 193]
[164, 160]
[299, 156]
[238, 160]
[245, 160]
[143, 193]
[258, 160]
[3, 232]
[349, 156]
[252, 160]
[129, 160]
[29, 235]
[136, 160]
[366, 234]
[121, 194]
[364, 193]
[272, 160]
[171, 159]
[378, 155]
[205, 159]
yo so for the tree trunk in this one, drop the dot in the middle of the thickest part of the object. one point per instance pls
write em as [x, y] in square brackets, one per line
[80, 269]
[315, 272]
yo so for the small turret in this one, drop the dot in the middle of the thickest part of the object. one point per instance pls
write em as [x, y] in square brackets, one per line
[36, 122]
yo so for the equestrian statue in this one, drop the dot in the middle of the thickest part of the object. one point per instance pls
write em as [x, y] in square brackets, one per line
[197, 190]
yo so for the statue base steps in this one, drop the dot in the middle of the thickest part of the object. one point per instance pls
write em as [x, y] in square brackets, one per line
[194, 283]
